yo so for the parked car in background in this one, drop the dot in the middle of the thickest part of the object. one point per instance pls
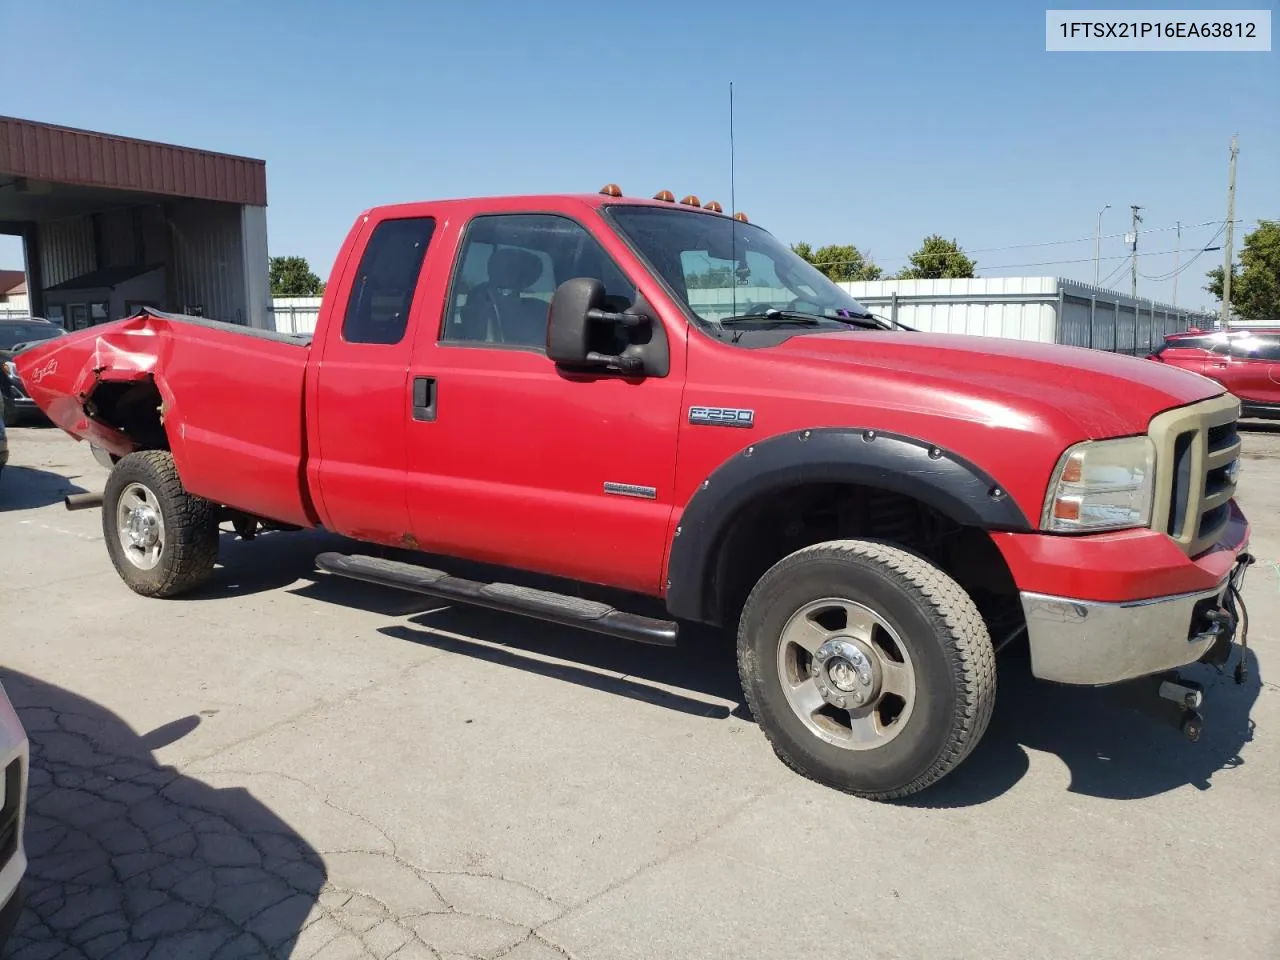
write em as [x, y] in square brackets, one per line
[1245, 361]
[14, 757]
[4, 440]
[16, 336]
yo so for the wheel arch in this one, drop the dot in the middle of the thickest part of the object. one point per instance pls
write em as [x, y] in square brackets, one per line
[916, 469]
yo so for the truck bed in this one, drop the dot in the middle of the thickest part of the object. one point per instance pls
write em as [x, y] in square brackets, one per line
[229, 401]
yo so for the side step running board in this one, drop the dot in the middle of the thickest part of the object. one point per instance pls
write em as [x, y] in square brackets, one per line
[507, 597]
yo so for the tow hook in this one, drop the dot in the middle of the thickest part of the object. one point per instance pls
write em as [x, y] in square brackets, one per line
[1189, 695]
[1236, 602]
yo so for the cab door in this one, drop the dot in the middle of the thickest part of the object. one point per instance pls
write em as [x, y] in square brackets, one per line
[514, 461]
[1257, 369]
[1248, 365]
[361, 395]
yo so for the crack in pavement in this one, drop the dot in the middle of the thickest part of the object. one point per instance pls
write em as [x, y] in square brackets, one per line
[131, 859]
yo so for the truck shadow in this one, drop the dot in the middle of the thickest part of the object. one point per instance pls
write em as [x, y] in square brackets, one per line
[129, 858]
[26, 488]
[697, 677]
[1111, 749]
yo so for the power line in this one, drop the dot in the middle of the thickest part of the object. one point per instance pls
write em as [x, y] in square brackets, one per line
[1114, 274]
[1122, 257]
[1013, 246]
[1050, 263]
[1178, 270]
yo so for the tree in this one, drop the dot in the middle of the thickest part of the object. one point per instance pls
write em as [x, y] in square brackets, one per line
[840, 262]
[292, 277]
[938, 259]
[1255, 284]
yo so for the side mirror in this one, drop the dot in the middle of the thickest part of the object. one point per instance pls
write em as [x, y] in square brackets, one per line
[577, 312]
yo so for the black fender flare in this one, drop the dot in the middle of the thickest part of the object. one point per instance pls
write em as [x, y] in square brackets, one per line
[930, 473]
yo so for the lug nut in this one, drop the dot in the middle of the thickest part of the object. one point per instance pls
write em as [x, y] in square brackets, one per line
[839, 701]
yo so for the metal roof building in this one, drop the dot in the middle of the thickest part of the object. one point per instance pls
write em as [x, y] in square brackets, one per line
[111, 223]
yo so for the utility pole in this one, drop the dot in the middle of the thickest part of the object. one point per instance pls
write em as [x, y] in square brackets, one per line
[1177, 256]
[1133, 257]
[1231, 216]
[1097, 243]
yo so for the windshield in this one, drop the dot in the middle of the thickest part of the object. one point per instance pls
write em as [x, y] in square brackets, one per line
[725, 268]
[12, 334]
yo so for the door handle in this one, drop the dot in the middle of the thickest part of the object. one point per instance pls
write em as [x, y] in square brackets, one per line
[424, 398]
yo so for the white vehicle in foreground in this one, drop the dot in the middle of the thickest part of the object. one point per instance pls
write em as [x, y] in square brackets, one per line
[14, 757]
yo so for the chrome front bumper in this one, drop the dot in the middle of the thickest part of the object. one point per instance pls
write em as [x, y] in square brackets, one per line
[1091, 643]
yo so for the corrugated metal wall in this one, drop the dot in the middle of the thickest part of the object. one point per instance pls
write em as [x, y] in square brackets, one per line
[207, 259]
[295, 314]
[1044, 309]
[66, 250]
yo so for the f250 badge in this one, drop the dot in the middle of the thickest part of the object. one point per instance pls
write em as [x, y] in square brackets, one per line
[722, 417]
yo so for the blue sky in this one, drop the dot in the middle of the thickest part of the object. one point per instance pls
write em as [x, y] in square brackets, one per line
[874, 124]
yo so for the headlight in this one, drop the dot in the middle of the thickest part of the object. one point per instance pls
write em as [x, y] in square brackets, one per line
[1101, 485]
[10, 369]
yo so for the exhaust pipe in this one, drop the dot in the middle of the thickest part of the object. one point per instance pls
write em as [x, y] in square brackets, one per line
[82, 501]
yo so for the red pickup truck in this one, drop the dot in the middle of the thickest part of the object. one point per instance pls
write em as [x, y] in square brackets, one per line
[657, 397]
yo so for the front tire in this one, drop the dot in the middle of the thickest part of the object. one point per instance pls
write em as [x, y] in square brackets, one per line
[868, 669]
[162, 541]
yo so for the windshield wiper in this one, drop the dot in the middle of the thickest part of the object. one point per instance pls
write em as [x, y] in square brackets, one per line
[774, 316]
[895, 323]
[867, 322]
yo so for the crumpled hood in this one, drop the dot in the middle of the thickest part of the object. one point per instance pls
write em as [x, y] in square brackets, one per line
[1101, 394]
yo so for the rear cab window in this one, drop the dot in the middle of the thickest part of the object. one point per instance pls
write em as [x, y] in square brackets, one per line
[382, 292]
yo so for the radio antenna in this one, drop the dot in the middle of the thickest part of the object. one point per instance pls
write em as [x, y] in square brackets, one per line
[733, 211]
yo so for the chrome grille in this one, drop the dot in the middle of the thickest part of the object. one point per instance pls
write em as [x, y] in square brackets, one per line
[1197, 447]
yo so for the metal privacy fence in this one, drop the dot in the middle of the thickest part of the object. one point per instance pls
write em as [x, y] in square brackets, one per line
[1043, 309]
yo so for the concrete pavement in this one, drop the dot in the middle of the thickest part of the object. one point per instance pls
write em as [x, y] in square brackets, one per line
[289, 765]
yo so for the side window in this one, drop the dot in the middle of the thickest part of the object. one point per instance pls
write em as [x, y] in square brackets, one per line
[1256, 348]
[508, 269]
[378, 307]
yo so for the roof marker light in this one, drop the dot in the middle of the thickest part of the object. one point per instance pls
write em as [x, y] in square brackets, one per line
[741, 217]
[713, 207]
[611, 190]
[691, 201]
[665, 195]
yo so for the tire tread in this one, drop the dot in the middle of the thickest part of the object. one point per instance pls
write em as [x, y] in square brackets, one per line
[966, 635]
[193, 538]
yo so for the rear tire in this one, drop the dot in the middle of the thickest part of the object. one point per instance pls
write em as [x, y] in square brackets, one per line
[868, 669]
[162, 541]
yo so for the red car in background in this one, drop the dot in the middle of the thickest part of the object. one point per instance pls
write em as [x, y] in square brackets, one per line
[1245, 360]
